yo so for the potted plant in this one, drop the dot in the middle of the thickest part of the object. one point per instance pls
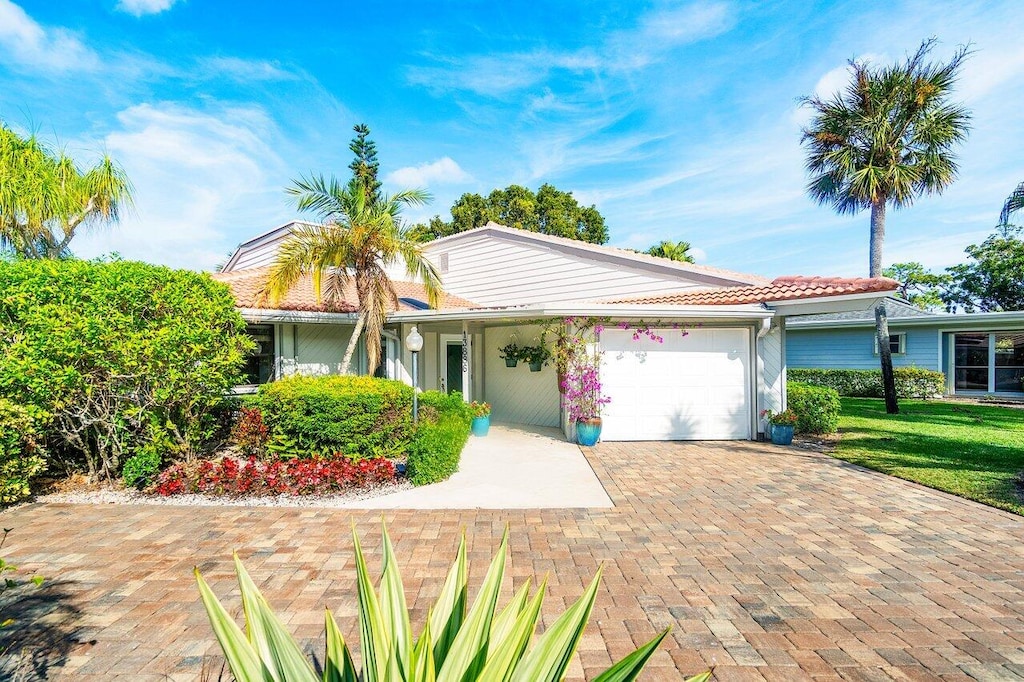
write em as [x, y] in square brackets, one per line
[510, 353]
[481, 423]
[537, 356]
[581, 396]
[782, 426]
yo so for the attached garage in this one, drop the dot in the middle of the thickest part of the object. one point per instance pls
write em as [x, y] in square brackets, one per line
[692, 387]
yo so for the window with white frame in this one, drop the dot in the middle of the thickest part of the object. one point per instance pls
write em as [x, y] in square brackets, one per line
[897, 344]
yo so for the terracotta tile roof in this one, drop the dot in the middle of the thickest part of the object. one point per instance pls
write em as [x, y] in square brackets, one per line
[247, 287]
[787, 288]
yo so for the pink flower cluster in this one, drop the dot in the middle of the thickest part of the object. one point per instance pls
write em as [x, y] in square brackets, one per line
[581, 391]
[252, 476]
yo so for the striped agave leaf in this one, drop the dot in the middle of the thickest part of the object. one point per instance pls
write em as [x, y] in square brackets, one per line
[459, 643]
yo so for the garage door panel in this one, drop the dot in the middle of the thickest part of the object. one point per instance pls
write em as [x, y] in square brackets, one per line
[691, 387]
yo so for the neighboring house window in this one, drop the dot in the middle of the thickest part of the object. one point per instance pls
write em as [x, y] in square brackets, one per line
[992, 362]
[897, 344]
[259, 368]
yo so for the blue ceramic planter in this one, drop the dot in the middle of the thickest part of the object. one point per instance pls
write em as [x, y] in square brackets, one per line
[480, 426]
[782, 434]
[588, 433]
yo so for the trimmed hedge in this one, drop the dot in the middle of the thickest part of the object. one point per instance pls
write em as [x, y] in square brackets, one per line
[817, 407]
[356, 416]
[20, 452]
[442, 433]
[911, 382]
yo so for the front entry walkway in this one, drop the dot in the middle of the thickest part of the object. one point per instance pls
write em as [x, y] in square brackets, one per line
[513, 467]
[769, 563]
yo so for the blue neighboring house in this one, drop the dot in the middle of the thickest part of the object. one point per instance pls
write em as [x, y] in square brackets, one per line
[980, 353]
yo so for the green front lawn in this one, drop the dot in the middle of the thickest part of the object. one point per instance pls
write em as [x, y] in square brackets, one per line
[973, 451]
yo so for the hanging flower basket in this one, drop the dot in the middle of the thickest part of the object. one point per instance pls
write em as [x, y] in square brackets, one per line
[510, 353]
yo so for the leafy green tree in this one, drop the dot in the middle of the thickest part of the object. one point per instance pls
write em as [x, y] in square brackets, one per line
[115, 357]
[918, 286]
[365, 166]
[360, 238]
[46, 199]
[993, 279]
[549, 211]
[677, 251]
[886, 140]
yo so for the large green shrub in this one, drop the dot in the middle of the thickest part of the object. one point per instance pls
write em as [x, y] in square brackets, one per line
[817, 407]
[117, 351]
[357, 416]
[440, 436]
[20, 451]
[911, 382]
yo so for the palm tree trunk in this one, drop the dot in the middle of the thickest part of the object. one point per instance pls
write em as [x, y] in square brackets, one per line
[881, 319]
[346, 362]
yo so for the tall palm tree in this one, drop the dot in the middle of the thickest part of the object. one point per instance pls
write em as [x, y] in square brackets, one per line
[45, 198]
[358, 240]
[886, 140]
[677, 251]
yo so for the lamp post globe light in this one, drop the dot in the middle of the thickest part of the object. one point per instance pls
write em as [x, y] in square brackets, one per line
[414, 342]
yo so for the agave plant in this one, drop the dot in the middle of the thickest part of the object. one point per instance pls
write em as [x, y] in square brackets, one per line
[458, 644]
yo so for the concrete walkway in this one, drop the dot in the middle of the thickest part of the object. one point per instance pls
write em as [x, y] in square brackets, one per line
[513, 467]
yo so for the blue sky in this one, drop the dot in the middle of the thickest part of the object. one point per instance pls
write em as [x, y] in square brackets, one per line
[678, 120]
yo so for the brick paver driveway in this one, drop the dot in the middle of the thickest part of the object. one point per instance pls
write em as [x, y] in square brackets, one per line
[768, 563]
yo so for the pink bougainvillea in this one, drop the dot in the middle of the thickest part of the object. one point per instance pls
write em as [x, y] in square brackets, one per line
[581, 389]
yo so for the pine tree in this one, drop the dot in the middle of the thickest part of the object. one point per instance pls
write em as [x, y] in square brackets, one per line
[365, 166]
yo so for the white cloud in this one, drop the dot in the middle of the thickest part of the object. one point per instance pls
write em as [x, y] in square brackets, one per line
[444, 171]
[26, 43]
[142, 7]
[498, 74]
[197, 175]
[688, 23]
[247, 69]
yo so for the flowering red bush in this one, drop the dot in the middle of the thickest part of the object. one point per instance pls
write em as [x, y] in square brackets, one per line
[252, 476]
[250, 433]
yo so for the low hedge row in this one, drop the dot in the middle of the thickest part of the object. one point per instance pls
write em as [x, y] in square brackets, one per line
[440, 436]
[360, 417]
[356, 415]
[911, 382]
[817, 407]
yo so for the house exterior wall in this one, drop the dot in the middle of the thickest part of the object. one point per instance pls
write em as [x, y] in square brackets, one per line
[771, 361]
[853, 348]
[526, 272]
[313, 349]
[516, 394]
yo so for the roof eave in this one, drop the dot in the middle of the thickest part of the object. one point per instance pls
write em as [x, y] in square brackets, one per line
[828, 304]
[1010, 318]
[751, 312]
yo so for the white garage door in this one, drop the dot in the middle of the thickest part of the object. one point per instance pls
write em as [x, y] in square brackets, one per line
[693, 387]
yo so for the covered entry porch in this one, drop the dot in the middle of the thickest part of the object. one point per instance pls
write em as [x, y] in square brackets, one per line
[463, 355]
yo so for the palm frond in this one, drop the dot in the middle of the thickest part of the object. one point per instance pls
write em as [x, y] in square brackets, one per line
[888, 135]
[1013, 203]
